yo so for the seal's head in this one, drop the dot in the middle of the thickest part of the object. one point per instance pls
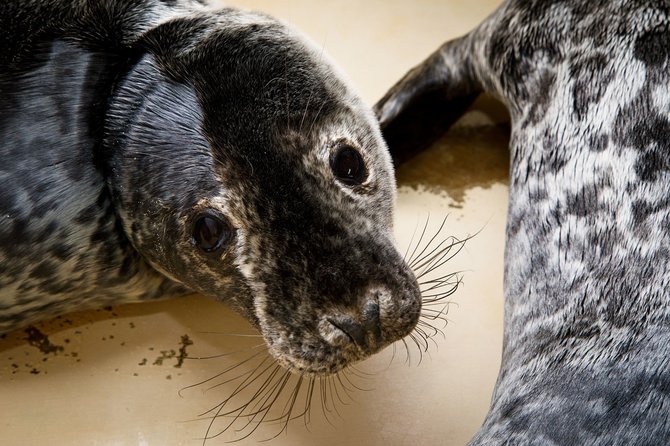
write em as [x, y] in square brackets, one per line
[244, 167]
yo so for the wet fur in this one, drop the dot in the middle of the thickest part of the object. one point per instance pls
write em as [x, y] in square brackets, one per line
[586, 350]
[122, 120]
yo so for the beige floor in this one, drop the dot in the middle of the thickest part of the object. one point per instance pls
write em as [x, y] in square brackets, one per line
[114, 376]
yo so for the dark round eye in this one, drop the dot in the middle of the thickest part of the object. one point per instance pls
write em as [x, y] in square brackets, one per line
[348, 165]
[210, 232]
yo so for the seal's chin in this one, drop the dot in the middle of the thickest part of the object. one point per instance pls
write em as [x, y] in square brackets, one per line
[319, 359]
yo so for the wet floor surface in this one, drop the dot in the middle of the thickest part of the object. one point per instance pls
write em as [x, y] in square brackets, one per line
[155, 374]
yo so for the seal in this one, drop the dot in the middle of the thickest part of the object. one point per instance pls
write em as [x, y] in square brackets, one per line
[153, 148]
[587, 309]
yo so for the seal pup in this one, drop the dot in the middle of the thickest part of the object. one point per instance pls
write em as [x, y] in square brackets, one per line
[151, 148]
[586, 349]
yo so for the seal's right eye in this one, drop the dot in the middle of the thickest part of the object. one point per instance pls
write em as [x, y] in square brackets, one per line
[348, 165]
[210, 232]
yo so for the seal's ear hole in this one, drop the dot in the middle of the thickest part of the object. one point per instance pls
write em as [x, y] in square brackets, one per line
[348, 165]
[211, 232]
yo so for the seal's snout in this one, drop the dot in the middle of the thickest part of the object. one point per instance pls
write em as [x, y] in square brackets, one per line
[377, 321]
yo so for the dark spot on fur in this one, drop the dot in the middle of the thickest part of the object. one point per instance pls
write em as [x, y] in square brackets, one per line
[61, 251]
[588, 24]
[128, 267]
[538, 193]
[538, 260]
[653, 47]
[515, 57]
[45, 269]
[650, 164]
[647, 131]
[518, 421]
[640, 210]
[542, 97]
[59, 287]
[555, 156]
[46, 232]
[7, 201]
[590, 81]
[583, 202]
[12, 240]
[88, 215]
[598, 142]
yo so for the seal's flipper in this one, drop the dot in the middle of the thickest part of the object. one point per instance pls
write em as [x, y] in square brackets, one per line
[418, 109]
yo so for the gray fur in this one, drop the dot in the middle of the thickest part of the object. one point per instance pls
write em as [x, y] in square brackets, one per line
[123, 122]
[586, 353]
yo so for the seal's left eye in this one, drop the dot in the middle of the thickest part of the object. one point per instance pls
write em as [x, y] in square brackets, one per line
[211, 232]
[348, 165]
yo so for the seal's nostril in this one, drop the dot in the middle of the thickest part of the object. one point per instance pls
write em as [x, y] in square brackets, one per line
[372, 320]
[352, 328]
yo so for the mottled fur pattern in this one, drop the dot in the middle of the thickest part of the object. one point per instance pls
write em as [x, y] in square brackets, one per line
[586, 353]
[123, 121]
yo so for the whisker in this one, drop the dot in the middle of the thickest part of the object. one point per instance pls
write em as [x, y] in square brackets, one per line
[392, 355]
[412, 262]
[240, 335]
[308, 402]
[411, 240]
[428, 261]
[333, 389]
[222, 355]
[360, 373]
[311, 92]
[347, 390]
[432, 331]
[444, 259]
[268, 402]
[316, 116]
[419, 345]
[337, 393]
[289, 405]
[353, 384]
[408, 359]
[264, 393]
[434, 316]
[439, 290]
[237, 411]
[440, 283]
[245, 383]
[324, 402]
[418, 243]
[291, 402]
[218, 374]
[433, 259]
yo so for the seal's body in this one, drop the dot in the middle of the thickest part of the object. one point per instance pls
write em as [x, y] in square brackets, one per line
[586, 352]
[150, 148]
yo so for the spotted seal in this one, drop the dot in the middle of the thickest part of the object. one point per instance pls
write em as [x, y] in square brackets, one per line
[586, 350]
[151, 148]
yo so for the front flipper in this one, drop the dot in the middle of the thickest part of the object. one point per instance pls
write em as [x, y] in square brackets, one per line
[420, 107]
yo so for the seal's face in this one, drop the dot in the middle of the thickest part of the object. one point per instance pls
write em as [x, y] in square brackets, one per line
[272, 188]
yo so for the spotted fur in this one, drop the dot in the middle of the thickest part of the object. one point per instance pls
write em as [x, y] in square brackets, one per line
[586, 351]
[121, 121]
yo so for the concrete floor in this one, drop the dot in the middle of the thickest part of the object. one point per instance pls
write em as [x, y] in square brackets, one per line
[118, 376]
